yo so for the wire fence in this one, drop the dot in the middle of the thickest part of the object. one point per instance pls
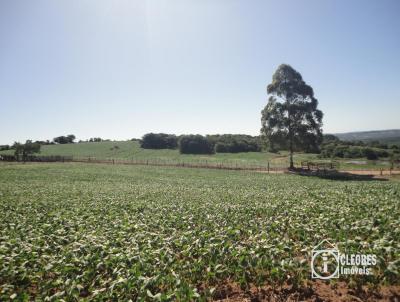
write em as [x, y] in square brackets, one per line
[226, 165]
[269, 167]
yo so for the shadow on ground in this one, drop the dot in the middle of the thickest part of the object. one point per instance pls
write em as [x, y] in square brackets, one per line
[337, 175]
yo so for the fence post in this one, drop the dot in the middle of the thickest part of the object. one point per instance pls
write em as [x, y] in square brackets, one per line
[268, 167]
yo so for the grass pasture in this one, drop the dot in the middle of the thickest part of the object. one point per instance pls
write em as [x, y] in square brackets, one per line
[103, 232]
[128, 150]
[131, 150]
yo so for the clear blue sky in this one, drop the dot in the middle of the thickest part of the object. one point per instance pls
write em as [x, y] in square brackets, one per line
[119, 69]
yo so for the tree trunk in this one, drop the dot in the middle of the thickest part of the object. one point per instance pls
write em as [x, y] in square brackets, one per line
[291, 166]
[291, 152]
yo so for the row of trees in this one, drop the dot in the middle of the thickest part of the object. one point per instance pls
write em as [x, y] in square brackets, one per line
[235, 143]
[22, 151]
[333, 147]
[68, 139]
[198, 144]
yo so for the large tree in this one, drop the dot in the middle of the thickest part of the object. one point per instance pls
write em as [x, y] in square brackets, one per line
[291, 117]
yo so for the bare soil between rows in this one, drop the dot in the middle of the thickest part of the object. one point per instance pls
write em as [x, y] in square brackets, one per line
[315, 291]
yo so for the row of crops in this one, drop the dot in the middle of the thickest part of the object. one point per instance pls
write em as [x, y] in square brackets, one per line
[104, 232]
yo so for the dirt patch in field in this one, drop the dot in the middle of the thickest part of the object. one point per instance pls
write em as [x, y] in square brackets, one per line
[316, 291]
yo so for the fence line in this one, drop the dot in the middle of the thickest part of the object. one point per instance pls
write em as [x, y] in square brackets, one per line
[268, 167]
[188, 164]
[227, 165]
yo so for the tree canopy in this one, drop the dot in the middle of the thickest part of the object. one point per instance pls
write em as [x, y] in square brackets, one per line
[159, 141]
[291, 118]
[69, 139]
[22, 151]
[195, 144]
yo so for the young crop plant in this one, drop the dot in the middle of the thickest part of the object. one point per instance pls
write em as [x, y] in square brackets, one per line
[102, 232]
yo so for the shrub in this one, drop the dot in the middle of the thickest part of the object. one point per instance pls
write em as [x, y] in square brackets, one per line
[350, 150]
[381, 153]
[354, 152]
[234, 143]
[69, 139]
[195, 144]
[159, 141]
[95, 140]
[370, 154]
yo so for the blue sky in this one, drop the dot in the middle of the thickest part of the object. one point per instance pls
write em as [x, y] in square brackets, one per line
[119, 69]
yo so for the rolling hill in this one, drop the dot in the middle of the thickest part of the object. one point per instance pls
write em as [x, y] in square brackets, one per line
[391, 136]
[132, 150]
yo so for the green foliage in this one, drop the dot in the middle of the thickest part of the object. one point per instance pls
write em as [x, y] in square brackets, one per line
[195, 144]
[291, 118]
[22, 151]
[107, 233]
[342, 149]
[4, 147]
[235, 143]
[69, 139]
[95, 139]
[159, 141]
[225, 143]
[46, 142]
[329, 138]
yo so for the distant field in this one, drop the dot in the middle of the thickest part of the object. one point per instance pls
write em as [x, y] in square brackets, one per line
[131, 150]
[390, 137]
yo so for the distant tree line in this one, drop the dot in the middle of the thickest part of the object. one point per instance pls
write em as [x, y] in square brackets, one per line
[23, 151]
[95, 140]
[332, 147]
[199, 144]
[235, 143]
[12, 147]
[63, 139]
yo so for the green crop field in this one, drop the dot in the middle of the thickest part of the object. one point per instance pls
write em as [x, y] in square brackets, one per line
[114, 232]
